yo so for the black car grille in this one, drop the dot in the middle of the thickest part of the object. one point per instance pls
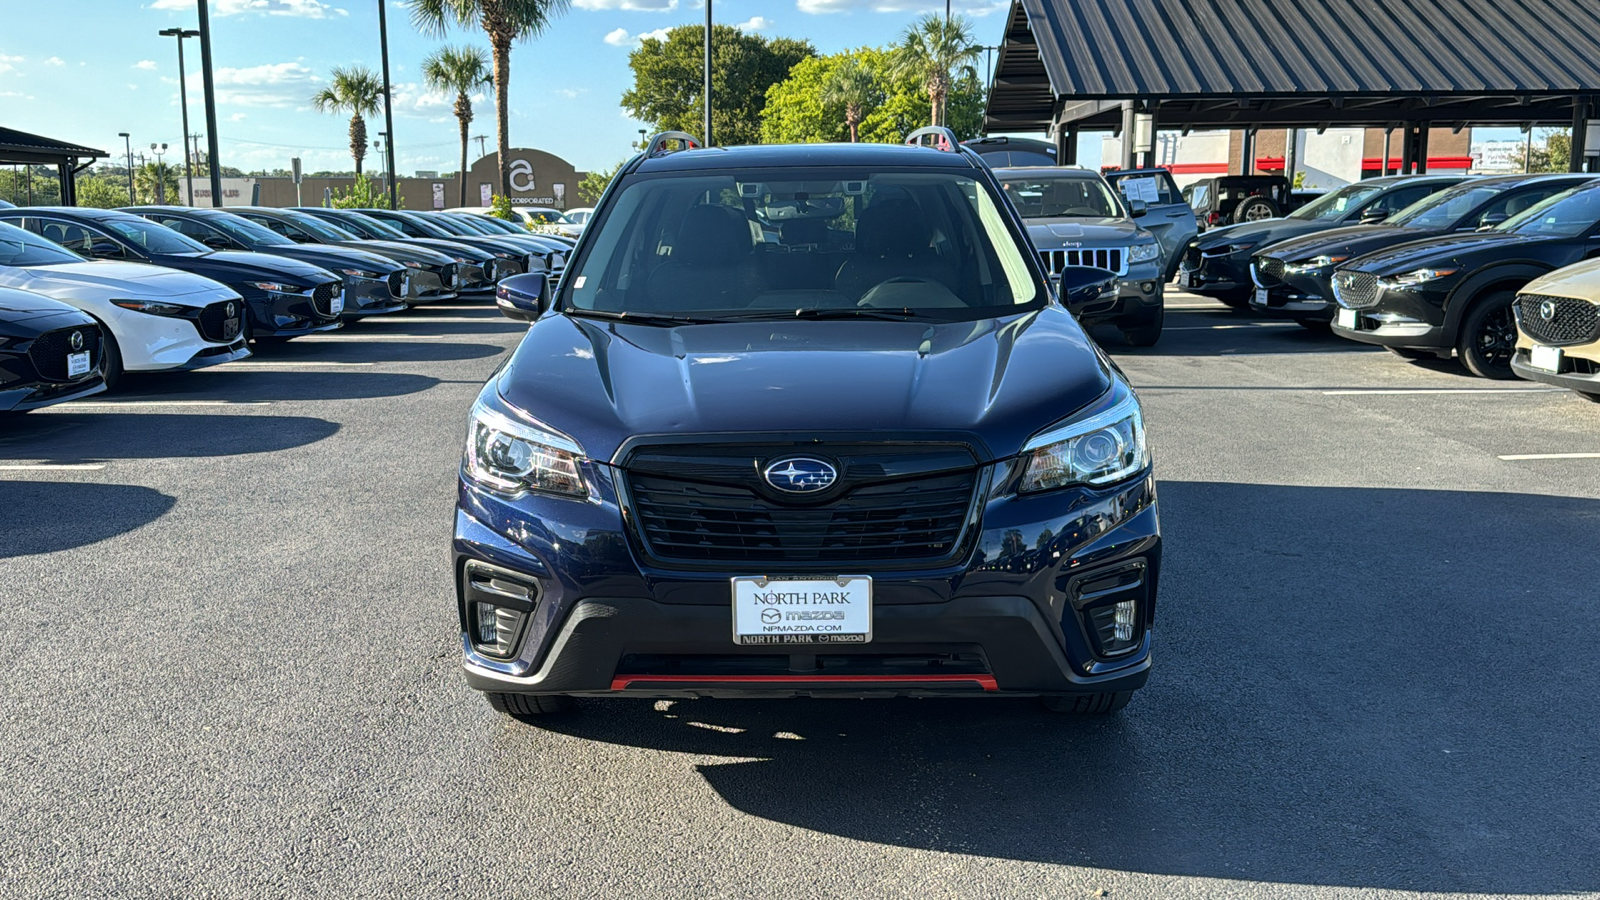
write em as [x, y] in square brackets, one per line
[1570, 321]
[1355, 290]
[703, 507]
[1191, 258]
[397, 285]
[49, 352]
[447, 275]
[322, 297]
[1109, 258]
[220, 322]
[1269, 270]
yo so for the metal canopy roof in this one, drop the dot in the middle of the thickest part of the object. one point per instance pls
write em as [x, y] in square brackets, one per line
[1222, 63]
[22, 147]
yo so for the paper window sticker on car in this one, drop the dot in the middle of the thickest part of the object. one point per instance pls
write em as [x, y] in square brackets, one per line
[578, 282]
[1141, 189]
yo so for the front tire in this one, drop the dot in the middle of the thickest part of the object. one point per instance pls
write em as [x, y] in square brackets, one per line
[1488, 337]
[529, 706]
[1088, 704]
[1144, 332]
[113, 361]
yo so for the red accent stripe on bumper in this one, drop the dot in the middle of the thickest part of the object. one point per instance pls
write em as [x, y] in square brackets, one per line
[622, 682]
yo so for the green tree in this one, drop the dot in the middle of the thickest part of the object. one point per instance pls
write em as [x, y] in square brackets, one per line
[46, 188]
[595, 183]
[1554, 155]
[505, 22]
[102, 192]
[459, 70]
[938, 51]
[155, 182]
[363, 194]
[355, 90]
[853, 86]
[798, 109]
[668, 84]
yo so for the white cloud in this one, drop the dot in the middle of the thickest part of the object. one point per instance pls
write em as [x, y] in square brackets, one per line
[756, 23]
[967, 7]
[149, 65]
[237, 117]
[305, 9]
[55, 61]
[267, 73]
[621, 37]
[618, 38]
[9, 63]
[647, 5]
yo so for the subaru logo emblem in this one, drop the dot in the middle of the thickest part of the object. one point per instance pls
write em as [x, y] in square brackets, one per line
[229, 310]
[76, 341]
[801, 475]
[1547, 310]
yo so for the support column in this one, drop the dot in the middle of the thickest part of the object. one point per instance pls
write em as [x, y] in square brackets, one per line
[1408, 149]
[1247, 152]
[1423, 131]
[1149, 158]
[1388, 135]
[1130, 125]
[1580, 133]
[1067, 145]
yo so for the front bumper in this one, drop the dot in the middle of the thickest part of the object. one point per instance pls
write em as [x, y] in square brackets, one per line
[365, 297]
[1579, 368]
[1227, 273]
[39, 394]
[605, 621]
[1299, 295]
[1400, 318]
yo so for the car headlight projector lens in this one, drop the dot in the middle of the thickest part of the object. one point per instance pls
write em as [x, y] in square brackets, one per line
[514, 457]
[1144, 252]
[151, 307]
[1420, 276]
[1099, 450]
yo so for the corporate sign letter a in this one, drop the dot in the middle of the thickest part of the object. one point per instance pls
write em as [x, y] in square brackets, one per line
[522, 175]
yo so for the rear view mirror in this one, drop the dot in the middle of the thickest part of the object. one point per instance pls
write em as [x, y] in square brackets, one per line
[523, 297]
[1491, 221]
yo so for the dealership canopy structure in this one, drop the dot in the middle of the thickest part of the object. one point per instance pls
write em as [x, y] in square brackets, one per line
[22, 148]
[1067, 66]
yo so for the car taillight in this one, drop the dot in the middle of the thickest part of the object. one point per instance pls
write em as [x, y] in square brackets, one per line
[1215, 218]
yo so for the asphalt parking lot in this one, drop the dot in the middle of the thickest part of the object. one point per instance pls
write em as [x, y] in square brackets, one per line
[231, 660]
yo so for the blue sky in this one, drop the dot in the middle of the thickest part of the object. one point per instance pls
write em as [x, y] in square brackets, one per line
[108, 71]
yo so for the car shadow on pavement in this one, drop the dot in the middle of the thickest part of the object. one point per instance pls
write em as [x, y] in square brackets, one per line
[1236, 336]
[374, 350]
[101, 435]
[488, 326]
[254, 385]
[1378, 688]
[46, 516]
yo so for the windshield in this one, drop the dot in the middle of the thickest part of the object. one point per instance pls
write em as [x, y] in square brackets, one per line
[318, 227]
[23, 248]
[1054, 196]
[368, 226]
[788, 242]
[449, 223]
[1336, 204]
[152, 237]
[466, 224]
[547, 217]
[402, 220]
[499, 226]
[1445, 209]
[247, 231]
[1567, 214]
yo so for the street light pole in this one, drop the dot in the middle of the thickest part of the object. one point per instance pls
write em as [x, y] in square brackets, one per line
[161, 174]
[211, 104]
[127, 143]
[388, 107]
[708, 74]
[183, 102]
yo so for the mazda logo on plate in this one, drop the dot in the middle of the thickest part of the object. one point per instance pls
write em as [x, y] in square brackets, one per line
[76, 341]
[771, 617]
[1547, 311]
[801, 475]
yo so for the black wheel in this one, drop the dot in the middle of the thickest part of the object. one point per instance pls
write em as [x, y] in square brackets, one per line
[1088, 704]
[1488, 336]
[527, 706]
[1255, 209]
[1146, 331]
[1408, 353]
[113, 361]
[1320, 326]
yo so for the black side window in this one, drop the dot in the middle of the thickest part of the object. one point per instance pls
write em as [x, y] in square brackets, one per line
[190, 229]
[1517, 201]
[1403, 197]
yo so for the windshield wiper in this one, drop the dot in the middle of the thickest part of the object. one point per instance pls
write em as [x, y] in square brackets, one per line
[851, 312]
[638, 318]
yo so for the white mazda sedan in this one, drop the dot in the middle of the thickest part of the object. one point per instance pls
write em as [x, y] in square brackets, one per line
[157, 319]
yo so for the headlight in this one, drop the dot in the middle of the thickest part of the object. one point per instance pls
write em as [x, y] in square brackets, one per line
[1144, 252]
[360, 273]
[151, 307]
[1315, 263]
[513, 457]
[1420, 276]
[411, 264]
[276, 287]
[1099, 450]
[461, 259]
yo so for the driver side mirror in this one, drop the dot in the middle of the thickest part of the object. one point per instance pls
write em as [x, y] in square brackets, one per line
[215, 241]
[1079, 286]
[523, 297]
[1374, 216]
[1490, 221]
[105, 248]
[1139, 208]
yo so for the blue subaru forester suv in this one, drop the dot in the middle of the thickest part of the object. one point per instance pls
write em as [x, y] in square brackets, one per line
[804, 421]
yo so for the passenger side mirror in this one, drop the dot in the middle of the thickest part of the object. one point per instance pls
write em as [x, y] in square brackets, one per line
[1139, 208]
[105, 248]
[1490, 221]
[1374, 216]
[215, 241]
[523, 297]
[1080, 286]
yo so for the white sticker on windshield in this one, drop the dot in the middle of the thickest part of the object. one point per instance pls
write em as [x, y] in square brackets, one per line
[1140, 189]
[580, 280]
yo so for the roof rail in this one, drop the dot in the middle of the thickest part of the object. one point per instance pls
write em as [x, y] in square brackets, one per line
[658, 144]
[944, 138]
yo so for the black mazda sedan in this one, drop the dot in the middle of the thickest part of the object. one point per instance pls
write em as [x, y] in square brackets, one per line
[475, 266]
[49, 352]
[1294, 279]
[431, 275]
[1453, 294]
[875, 456]
[284, 297]
[373, 285]
[1217, 263]
[512, 256]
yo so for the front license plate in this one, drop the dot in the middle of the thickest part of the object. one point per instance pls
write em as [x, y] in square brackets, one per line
[405, 286]
[1185, 278]
[836, 610]
[1346, 318]
[1546, 358]
[77, 364]
[230, 327]
[1261, 297]
[337, 305]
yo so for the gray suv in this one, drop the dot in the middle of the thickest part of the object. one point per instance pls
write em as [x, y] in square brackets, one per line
[1075, 219]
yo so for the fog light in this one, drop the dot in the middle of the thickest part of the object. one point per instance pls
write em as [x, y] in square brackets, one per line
[495, 628]
[1123, 629]
[1149, 287]
[1115, 626]
[498, 603]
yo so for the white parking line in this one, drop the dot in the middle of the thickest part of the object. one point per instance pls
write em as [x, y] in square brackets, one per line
[1397, 391]
[52, 467]
[1519, 456]
[412, 320]
[288, 364]
[135, 404]
[355, 338]
[1222, 327]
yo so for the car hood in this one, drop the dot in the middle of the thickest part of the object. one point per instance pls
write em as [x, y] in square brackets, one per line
[1071, 233]
[995, 382]
[453, 248]
[105, 279]
[1262, 233]
[16, 306]
[268, 266]
[335, 258]
[1581, 280]
[1352, 240]
[1417, 254]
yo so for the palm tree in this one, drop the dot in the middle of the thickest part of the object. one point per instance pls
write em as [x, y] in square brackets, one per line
[505, 22]
[930, 50]
[357, 91]
[462, 70]
[851, 84]
[156, 182]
